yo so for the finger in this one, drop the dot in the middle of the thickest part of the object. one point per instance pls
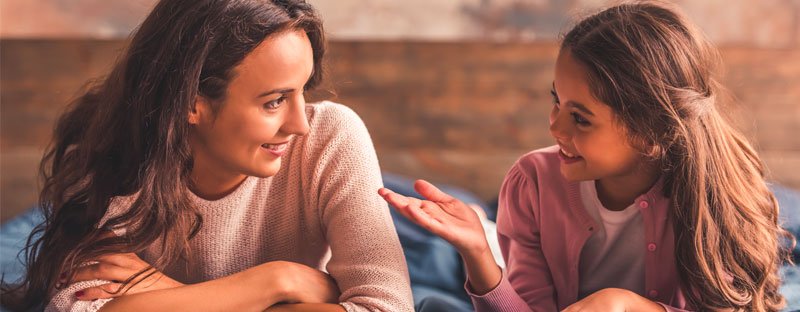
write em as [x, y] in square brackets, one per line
[431, 192]
[409, 207]
[104, 291]
[402, 209]
[393, 198]
[478, 210]
[123, 260]
[424, 216]
[107, 234]
[103, 271]
[383, 191]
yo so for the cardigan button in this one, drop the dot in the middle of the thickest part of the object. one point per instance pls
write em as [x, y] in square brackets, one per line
[651, 247]
[643, 204]
[653, 293]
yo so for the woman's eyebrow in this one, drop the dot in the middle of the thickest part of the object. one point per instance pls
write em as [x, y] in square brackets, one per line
[275, 91]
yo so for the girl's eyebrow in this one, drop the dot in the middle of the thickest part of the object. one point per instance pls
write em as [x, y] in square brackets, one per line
[574, 104]
[580, 107]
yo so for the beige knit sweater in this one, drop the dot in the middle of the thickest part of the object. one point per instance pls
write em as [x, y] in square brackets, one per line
[321, 209]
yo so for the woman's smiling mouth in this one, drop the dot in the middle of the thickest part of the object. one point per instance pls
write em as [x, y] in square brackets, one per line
[276, 149]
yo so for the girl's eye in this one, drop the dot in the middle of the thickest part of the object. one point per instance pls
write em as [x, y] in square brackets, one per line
[580, 120]
[275, 103]
[555, 97]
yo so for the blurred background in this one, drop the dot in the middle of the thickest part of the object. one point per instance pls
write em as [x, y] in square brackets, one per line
[453, 91]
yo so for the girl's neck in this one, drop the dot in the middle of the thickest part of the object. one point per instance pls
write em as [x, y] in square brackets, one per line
[618, 192]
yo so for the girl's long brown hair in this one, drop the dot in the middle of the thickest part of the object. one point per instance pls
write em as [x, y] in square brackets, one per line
[660, 76]
[129, 134]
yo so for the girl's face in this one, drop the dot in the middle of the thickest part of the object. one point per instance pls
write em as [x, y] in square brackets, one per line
[263, 109]
[593, 145]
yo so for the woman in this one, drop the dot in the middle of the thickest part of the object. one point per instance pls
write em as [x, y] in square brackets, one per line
[223, 189]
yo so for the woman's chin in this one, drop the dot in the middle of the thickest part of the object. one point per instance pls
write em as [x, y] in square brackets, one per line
[267, 170]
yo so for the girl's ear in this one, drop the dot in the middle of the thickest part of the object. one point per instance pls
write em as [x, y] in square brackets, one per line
[199, 111]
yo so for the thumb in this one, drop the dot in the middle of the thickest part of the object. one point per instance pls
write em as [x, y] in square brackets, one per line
[431, 192]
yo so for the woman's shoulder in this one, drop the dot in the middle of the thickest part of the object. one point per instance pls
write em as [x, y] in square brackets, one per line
[327, 114]
[332, 124]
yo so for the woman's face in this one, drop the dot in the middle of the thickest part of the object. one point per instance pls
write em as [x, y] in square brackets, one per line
[593, 145]
[262, 110]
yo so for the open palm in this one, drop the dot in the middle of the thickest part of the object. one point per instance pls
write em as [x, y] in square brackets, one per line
[441, 214]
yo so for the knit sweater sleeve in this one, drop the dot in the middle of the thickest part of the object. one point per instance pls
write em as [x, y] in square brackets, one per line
[65, 299]
[367, 260]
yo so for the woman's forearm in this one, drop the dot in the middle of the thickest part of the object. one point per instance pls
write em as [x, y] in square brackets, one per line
[243, 291]
[306, 307]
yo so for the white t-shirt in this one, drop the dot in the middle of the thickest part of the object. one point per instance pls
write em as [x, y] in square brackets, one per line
[614, 255]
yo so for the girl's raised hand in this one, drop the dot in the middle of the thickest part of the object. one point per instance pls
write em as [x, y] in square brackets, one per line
[118, 268]
[456, 223]
[441, 214]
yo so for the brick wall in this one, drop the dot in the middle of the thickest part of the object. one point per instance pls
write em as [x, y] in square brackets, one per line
[451, 90]
[457, 112]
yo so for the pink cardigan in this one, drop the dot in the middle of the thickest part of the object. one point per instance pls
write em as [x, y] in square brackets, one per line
[541, 235]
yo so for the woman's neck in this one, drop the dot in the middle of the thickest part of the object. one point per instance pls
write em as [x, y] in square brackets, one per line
[618, 192]
[213, 189]
[213, 184]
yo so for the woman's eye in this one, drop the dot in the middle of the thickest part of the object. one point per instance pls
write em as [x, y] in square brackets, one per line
[275, 103]
[580, 120]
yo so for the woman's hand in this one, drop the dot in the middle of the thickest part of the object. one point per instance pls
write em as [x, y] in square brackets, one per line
[300, 283]
[441, 214]
[614, 300]
[118, 268]
[255, 289]
[456, 223]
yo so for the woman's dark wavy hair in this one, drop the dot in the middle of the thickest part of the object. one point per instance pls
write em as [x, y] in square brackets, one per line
[129, 134]
[659, 74]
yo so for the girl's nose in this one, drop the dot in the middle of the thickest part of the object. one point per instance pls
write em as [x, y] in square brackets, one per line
[559, 127]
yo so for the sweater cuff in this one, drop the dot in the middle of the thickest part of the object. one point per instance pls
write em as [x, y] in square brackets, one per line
[669, 308]
[502, 298]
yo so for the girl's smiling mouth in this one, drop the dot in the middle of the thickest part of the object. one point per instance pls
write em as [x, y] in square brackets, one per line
[566, 156]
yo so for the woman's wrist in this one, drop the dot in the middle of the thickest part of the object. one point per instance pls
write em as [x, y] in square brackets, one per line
[264, 279]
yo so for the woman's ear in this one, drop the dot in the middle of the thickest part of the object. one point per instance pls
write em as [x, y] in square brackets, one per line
[654, 151]
[200, 110]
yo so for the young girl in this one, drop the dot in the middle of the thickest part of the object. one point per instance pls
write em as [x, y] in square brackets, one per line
[195, 177]
[649, 201]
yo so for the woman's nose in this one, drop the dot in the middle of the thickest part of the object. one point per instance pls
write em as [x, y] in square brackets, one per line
[296, 121]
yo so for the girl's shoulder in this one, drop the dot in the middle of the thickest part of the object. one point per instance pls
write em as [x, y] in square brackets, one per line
[540, 164]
